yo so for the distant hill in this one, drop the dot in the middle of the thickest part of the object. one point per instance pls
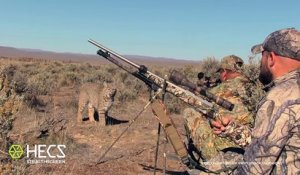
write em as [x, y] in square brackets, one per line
[12, 52]
[41, 54]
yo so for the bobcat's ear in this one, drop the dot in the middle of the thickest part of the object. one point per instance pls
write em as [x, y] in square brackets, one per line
[105, 84]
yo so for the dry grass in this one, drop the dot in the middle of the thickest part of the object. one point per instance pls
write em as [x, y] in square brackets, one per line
[50, 89]
[36, 77]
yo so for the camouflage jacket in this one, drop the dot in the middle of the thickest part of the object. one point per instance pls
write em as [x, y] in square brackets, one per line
[275, 147]
[200, 130]
[234, 91]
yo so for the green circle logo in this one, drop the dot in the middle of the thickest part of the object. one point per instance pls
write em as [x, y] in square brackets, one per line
[15, 151]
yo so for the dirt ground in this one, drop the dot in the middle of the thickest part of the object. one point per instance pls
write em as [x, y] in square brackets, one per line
[52, 88]
[52, 119]
[86, 142]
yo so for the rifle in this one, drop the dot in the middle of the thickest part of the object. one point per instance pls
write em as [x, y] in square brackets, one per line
[159, 84]
[155, 83]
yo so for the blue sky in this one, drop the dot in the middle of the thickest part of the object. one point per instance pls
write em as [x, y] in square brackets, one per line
[192, 29]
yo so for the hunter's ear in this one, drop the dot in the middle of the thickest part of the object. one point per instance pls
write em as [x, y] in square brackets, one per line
[223, 75]
[272, 59]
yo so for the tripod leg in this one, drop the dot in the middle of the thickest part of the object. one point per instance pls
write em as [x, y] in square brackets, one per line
[157, 148]
[165, 154]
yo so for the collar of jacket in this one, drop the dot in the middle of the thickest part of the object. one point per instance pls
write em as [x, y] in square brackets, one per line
[295, 74]
[291, 75]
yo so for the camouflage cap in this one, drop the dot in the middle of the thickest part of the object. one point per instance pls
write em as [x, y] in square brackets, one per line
[285, 42]
[231, 62]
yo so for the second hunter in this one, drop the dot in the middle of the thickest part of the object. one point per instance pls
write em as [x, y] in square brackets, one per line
[200, 132]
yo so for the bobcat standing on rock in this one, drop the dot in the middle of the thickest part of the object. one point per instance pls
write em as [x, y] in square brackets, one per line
[95, 99]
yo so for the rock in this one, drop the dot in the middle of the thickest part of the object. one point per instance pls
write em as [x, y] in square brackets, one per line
[51, 126]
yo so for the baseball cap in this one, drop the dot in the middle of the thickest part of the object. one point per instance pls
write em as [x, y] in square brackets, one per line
[284, 42]
[231, 62]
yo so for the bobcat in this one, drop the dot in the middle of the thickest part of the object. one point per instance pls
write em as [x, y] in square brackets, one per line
[95, 99]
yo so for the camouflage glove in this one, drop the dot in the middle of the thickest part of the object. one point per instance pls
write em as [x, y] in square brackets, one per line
[227, 127]
[239, 134]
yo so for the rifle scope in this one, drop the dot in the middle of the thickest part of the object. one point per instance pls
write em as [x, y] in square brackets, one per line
[179, 79]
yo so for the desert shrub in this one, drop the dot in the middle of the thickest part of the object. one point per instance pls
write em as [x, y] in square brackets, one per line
[123, 76]
[72, 78]
[29, 69]
[9, 72]
[57, 64]
[189, 71]
[32, 100]
[54, 68]
[41, 84]
[6, 124]
[20, 82]
[98, 76]
[159, 73]
[71, 67]
[73, 103]
[126, 95]
[85, 68]
[174, 104]
[254, 88]
[209, 66]
[252, 69]
[111, 69]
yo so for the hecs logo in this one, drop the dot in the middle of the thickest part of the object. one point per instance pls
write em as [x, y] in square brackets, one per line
[45, 151]
[15, 151]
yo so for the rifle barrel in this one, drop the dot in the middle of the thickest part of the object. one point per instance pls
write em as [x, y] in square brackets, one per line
[114, 53]
[121, 57]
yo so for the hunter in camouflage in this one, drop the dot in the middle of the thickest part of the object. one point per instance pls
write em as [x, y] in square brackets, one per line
[232, 89]
[275, 147]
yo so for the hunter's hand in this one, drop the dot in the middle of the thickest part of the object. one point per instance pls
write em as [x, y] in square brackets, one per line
[219, 125]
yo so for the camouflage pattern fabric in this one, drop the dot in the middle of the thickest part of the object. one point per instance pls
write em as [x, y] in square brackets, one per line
[283, 42]
[275, 147]
[199, 127]
[232, 62]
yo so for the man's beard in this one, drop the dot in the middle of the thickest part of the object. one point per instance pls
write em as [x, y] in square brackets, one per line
[265, 75]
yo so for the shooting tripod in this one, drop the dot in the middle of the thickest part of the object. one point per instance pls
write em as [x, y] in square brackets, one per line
[164, 122]
[156, 111]
[158, 85]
